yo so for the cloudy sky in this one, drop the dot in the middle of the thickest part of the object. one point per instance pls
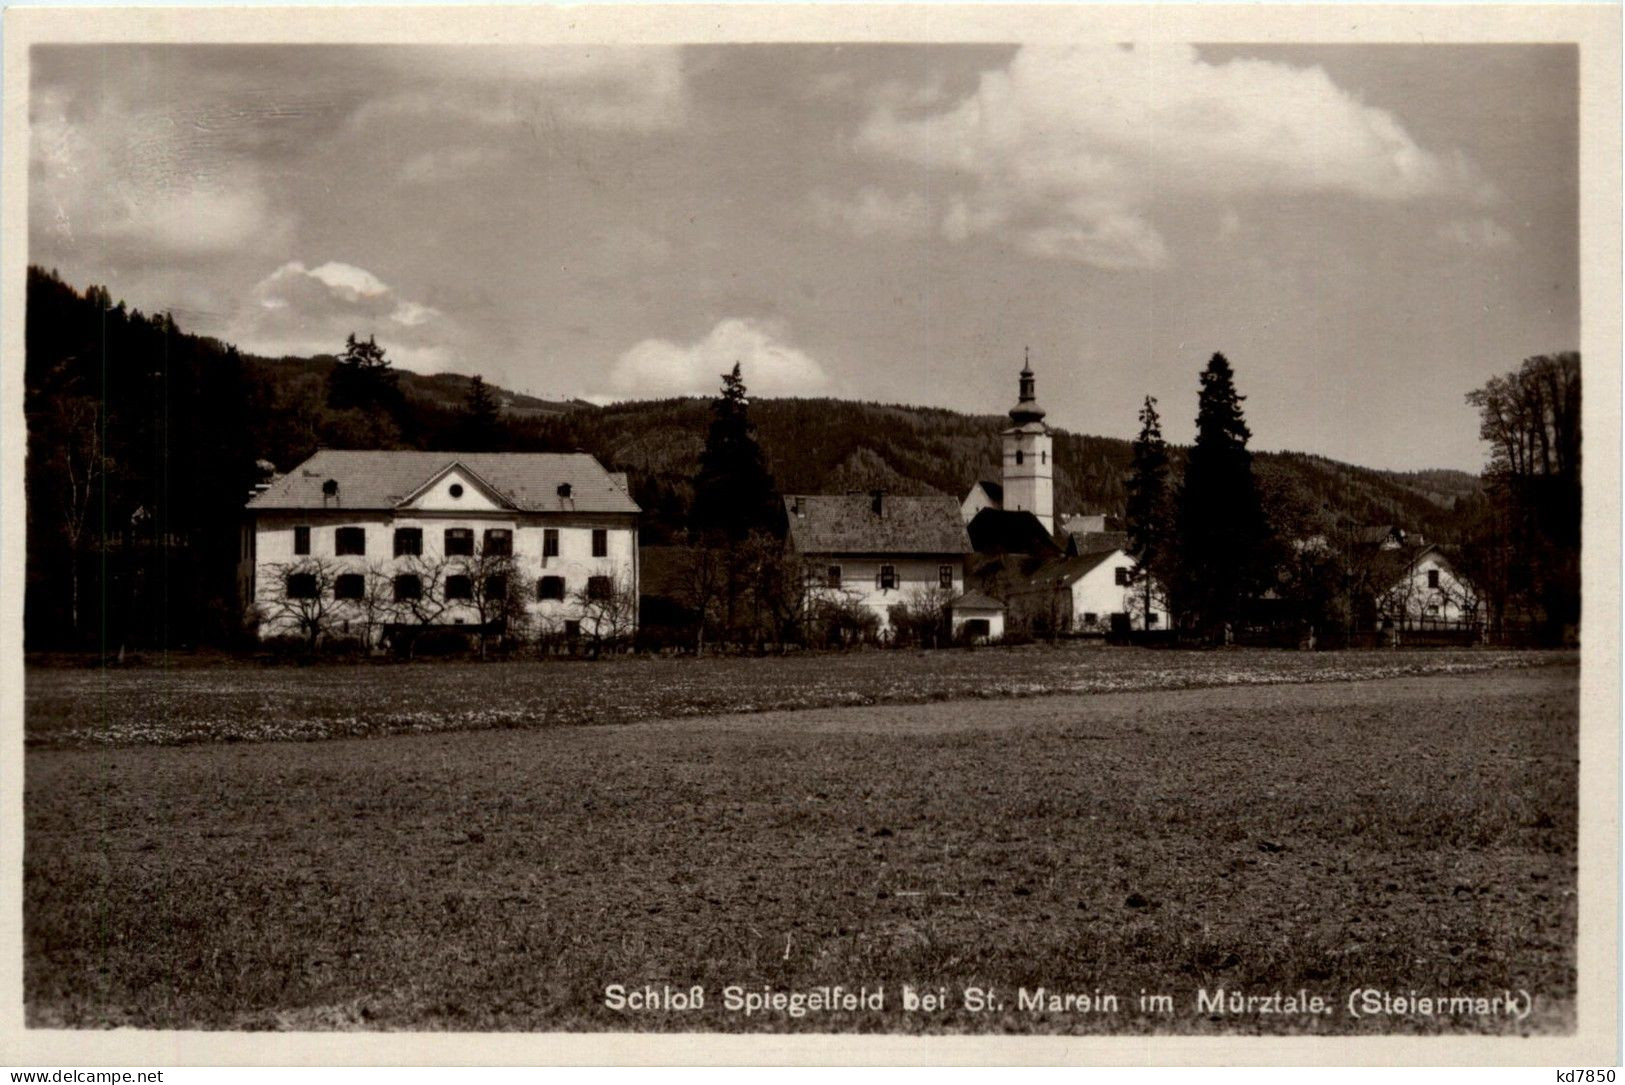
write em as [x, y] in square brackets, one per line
[1367, 232]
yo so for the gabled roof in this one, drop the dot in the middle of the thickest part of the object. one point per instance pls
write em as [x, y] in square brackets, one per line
[1005, 531]
[975, 600]
[852, 524]
[1068, 571]
[993, 490]
[1095, 542]
[377, 480]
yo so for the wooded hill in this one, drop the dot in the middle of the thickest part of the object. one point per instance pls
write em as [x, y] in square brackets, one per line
[144, 439]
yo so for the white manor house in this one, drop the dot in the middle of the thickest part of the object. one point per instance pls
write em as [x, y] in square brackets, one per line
[373, 539]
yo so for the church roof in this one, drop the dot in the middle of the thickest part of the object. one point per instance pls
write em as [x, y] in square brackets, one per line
[1006, 531]
[875, 524]
[376, 479]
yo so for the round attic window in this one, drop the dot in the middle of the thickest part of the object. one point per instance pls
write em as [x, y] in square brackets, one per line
[456, 489]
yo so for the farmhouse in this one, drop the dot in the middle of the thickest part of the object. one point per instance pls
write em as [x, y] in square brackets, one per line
[1424, 592]
[374, 541]
[879, 551]
[1092, 593]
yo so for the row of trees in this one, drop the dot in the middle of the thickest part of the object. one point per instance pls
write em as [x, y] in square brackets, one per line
[395, 603]
[1206, 546]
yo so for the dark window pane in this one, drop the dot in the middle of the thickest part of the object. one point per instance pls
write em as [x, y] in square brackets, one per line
[408, 587]
[833, 577]
[550, 587]
[349, 540]
[888, 577]
[550, 542]
[599, 587]
[301, 540]
[600, 542]
[459, 587]
[459, 542]
[498, 541]
[945, 576]
[301, 586]
[496, 587]
[408, 541]
[350, 586]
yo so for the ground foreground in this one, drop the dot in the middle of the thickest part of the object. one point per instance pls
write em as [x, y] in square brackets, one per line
[249, 702]
[1414, 834]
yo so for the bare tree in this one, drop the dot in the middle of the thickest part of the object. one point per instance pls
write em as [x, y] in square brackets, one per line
[609, 611]
[298, 596]
[924, 618]
[704, 583]
[418, 595]
[80, 468]
[495, 593]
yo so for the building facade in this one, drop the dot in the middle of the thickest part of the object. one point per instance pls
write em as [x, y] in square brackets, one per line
[1091, 594]
[878, 551]
[367, 543]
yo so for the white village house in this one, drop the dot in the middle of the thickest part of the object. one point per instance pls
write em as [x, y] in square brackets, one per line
[1092, 593]
[1426, 593]
[403, 538]
[879, 550]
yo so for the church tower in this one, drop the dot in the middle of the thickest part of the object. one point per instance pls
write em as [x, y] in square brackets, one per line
[1029, 459]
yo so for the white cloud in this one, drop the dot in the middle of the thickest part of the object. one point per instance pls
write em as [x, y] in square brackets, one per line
[1069, 151]
[302, 310]
[770, 366]
[1482, 233]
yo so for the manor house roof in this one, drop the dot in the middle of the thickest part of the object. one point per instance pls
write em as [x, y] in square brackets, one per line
[375, 479]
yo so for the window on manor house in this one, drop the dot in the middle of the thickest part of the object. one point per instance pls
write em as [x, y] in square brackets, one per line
[1090, 617]
[550, 542]
[1124, 576]
[459, 586]
[599, 588]
[945, 576]
[600, 542]
[886, 579]
[408, 541]
[1019, 456]
[550, 587]
[302, 586]
[350, 586]
[832, 576]
[1151, 620]
[1433, 578]
[498, 542]
[572, 629]
[349, 540]
[408, 587]
[496, 587]
[301, 539]
[459, 542]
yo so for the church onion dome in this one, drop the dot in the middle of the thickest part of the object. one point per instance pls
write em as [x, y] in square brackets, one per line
[1027, 408]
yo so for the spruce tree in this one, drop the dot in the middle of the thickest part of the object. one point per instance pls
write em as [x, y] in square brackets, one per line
[362, 377]
[1148, 508]
[481, 417]
[734, 493]
[1221, 527]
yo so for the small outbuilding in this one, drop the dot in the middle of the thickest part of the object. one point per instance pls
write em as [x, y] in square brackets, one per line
[977, 618]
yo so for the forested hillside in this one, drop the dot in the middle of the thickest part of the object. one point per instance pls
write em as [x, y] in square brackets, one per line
[144, 442]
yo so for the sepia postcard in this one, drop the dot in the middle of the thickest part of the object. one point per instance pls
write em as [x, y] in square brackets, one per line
[818, 534]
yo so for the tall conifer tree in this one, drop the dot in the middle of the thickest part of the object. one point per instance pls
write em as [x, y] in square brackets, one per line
[1222, 533]
[1149, 508]
[734, 493]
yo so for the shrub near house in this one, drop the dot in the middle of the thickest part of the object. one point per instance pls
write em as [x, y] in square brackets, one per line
[361, 543]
